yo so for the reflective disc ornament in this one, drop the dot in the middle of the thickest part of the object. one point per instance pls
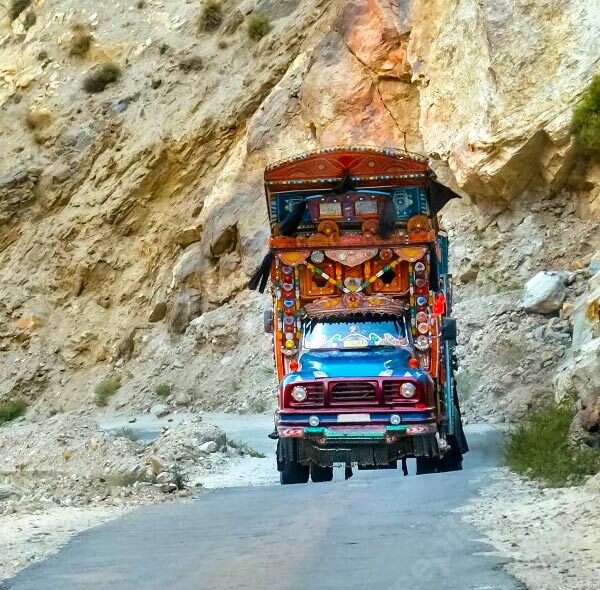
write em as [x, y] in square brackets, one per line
[287, 287]
[421, 301]
[289, 303]
[422, 316]
[289, 320]
[419, 267]
[422, 343]
[317, 256]
[423, 328]
[288, 270]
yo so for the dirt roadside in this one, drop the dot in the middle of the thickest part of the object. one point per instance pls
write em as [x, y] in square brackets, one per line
[549, 536]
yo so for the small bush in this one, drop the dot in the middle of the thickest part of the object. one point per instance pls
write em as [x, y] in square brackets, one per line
[586, 119]
[11, 410]
[16, 7]
[105, 390]
[141, 4]
[128, 433]
[244, 448]
[211, 16]
[37, 119]
[179, 479]
[540, 448]
[163, 390]
[42, 55]
[191, 64]
[257, 26]
[81, 41]
[100, 76]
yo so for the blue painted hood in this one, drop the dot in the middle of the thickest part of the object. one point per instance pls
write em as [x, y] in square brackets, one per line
[373, 362]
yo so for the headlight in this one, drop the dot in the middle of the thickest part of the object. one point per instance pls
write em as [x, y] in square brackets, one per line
[395, 419]
[407, 390]
[314, 421]
[299, 393]
[422, 343]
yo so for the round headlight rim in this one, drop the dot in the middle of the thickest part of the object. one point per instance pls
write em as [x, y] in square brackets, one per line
[297, 389]
[408, 387]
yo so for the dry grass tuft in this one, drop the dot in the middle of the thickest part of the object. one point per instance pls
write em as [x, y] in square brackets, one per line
[36, 119]
[81, 41]
[105, 390]
[100, 76]
[257, 26]
[193, 63]
[211, 16]
[163, 390]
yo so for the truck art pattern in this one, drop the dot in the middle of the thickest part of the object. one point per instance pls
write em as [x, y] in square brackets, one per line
[363, 338]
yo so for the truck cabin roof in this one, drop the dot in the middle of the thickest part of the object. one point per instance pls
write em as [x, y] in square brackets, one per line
[349, 185]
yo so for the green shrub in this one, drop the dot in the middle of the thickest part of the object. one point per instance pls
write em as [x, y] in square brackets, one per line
[586, 119]
[257, 26]
[16, 7]
[11, 410]
[163, 390]
[244, 448]
[540, 448]
[100, 76]
[211, 16]
[81, 41]
[105, 390]
[179, 479]
[128, 433]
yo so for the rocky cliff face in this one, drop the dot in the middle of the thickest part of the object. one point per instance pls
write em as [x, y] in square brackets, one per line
[131, 219]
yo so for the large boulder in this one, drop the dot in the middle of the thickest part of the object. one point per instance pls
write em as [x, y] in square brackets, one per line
[544, 293]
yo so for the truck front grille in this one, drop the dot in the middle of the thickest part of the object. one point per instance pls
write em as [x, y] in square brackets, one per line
[353, 391]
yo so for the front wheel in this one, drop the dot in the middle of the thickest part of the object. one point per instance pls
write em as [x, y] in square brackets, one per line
[319, 474]
[292, 472]
[426, 465]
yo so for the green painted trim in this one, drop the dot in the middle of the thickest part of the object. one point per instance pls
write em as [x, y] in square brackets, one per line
[397, 428]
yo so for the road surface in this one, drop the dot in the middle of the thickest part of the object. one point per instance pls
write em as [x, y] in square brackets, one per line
[378, 530]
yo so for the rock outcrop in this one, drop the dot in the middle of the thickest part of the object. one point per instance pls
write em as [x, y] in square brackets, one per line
[129, 218]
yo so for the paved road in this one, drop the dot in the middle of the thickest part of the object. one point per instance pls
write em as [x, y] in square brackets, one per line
[379, 530]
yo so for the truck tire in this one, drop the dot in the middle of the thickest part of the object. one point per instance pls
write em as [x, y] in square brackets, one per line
[292, 472]
[427, 465]
[319, 474]
[452, 460]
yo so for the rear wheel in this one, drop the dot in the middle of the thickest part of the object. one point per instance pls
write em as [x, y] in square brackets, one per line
[292, 472]
[426, 465]
[319, 474]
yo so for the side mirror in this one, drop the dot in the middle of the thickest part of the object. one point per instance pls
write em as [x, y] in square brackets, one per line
[268, 321]
[449, 329]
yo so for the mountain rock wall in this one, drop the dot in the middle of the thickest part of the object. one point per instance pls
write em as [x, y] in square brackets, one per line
[130, 220]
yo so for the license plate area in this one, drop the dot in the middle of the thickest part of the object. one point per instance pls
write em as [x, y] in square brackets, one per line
[353, 418]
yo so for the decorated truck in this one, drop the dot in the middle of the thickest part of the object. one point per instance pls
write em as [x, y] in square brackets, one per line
[361, 317]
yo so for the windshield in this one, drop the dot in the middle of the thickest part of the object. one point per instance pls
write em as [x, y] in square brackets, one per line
[353, 335]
